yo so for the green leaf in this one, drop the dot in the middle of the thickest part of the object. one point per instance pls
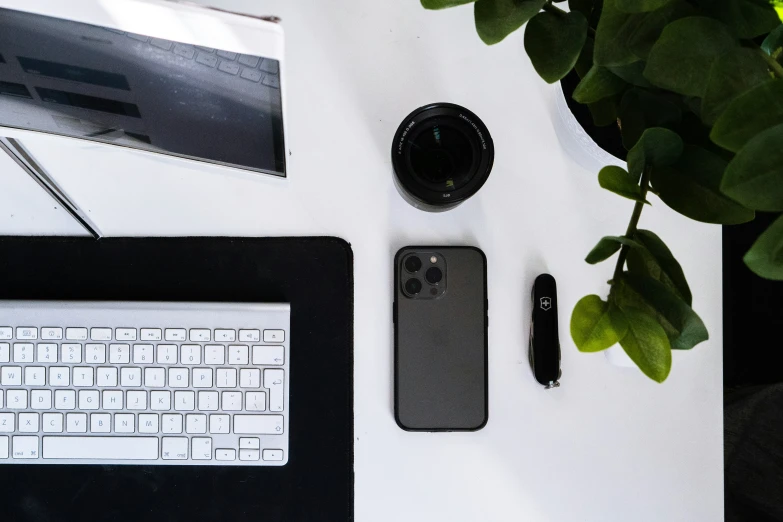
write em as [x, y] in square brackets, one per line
[681, 59]
[658, 147]
[765, 257]
[755, 175]
[692, 187]
[585, 60]
[640, 6]
[732, 74]
[553, 43]
[496, 19]
[641, 109]
[598, 84]
[649, 28]
[746, 18]
[616, 179]
[773, 41]
[750, 113]
[604, 112]
[596, 325]
[633, 74]
[607, 246]
[608, 49]
[655, 260]
[647, 345]
[683, 327]
[443, 4]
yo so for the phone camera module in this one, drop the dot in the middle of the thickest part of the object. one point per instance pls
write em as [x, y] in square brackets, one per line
[412, 264]
[413, 286]
[434, 275]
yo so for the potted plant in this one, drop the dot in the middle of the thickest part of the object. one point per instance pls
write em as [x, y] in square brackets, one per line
[694, 88]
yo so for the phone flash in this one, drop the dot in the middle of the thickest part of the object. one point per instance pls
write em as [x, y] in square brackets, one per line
[433, 260]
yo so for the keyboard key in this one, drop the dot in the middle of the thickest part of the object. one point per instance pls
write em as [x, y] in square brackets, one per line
[184, 51]
[174, 448]
[271, 81]
[119, 353]
[95, 353]
[154, 377]
[191, 354]
[214, 354]
[59, 376]
[34, 376]
[219, 424]
[178, 377]
[64, 400]
[258, 424]
[23, 352]
[225, 335]
[52, 422]
[274, 336]
[106, 376]
[255, 401]
[249, 336]
[248, 61]
[112, 400]
[171, 423]
[136, 400]
[100, 423]
[16, 399]
[273, 454]
[208, 400]
[248, 454]
[207, 59]
[229, 67]
[200, 335]
[232, 401]
[175, 334]
[167, 354]
[270, 66]
[268, 355]
[100, 334]
[184, 400]
[125, 334]
[148, 423]
[227, 55]
[101, 448]
[4, 442]
[71, 353]
[250, 378]
[124, 423]
[89, 400]
[2, 393]
[226, 378]
[252, 75]
[160, 400]
[7, 424]
[47, 352]
[225, 454]
[41, 399]
[205, 49]
[161, 44]
[25, 447]
[11, 376]
[143, 354]
[83, 376]
[49, 333]
[195, 423]
[76, 334]
[249, 443]
[202, 377]
[238, 354]
[76, 423]
[5, 353]
[201, 448]
[151, 334]
[130, 377]
[6, 332]
[24, 333]
[273, 379]
[28, 423]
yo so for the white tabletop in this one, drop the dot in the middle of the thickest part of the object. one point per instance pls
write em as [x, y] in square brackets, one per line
[610, 444]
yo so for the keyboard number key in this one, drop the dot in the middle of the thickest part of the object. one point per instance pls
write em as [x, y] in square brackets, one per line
[23, 352]
[214, 354]
[238, 354]
[94, 353]
[5, 352]
[47, 352]
[167, 354]
[143, 354]
[191, 354]
[119, 353]
[71, 353]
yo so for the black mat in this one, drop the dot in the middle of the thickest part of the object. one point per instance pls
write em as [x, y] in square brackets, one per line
[314, 274]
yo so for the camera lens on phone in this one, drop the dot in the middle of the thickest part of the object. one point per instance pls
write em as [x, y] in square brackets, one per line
[412, 264]
[413, 286]
[433, 275]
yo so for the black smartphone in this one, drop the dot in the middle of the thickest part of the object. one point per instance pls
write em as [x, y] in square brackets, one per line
[440, 339]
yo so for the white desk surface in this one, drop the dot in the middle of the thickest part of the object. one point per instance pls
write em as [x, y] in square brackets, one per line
[610, 444]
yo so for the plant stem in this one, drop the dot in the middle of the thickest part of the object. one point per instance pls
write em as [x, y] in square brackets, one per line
[637, 213]
[777, 69]
[550, 7]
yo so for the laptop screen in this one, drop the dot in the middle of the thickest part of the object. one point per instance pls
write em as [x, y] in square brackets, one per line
[127, 89]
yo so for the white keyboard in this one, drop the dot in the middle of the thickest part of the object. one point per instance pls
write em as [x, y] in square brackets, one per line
[144, 383]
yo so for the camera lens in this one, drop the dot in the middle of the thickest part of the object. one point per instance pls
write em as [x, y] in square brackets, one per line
[442, 154]
[412, 264]
[413, 286]
[433, 275]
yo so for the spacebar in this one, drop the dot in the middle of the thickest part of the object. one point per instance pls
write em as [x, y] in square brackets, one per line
[101, 448]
